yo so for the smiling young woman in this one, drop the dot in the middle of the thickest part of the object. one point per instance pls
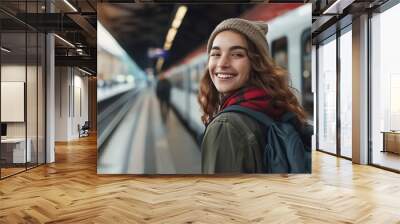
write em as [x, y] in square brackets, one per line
[241, 72]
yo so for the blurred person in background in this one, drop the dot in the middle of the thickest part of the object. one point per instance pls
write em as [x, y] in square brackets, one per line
[163, 91]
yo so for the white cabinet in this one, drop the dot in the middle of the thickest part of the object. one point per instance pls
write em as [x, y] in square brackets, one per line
[18, 149]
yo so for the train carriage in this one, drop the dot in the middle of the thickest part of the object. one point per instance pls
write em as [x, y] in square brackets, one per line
[289, 39]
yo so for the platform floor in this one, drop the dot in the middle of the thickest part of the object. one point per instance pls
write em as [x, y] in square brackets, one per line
[143, 144]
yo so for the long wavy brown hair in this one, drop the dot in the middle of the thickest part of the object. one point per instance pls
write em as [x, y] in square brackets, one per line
[266, 74]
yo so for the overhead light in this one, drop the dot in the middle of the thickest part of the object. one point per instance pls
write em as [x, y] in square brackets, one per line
[181, 12]
[167, 46]
[5, 50]
[176, 23]
[70, 5]
[331, 7]
[65, 41]
[107, 42]
[171, 35]
[337, 7]
[84, 71]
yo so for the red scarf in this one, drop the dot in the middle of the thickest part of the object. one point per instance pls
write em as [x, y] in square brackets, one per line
[254, 98]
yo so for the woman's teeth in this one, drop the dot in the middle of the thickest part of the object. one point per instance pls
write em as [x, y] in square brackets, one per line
[224, 76]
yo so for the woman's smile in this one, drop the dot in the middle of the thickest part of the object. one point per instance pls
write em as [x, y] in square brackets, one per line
[225, 75]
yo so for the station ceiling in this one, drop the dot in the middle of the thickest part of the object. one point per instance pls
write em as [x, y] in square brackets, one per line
[138, 27]
[141, 24]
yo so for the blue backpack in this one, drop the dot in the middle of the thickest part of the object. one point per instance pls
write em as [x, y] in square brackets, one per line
[288, 148]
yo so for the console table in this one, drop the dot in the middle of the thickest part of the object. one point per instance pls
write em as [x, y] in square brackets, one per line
[391, 141]
[13, 150]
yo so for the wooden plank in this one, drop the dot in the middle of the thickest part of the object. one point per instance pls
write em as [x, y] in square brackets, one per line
[70, 191]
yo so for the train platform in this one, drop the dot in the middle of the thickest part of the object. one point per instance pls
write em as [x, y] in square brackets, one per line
[142, 143]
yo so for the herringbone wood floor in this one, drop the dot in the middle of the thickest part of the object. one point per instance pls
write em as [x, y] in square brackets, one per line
[70, 191]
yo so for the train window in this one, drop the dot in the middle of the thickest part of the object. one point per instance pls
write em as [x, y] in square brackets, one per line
[179, 81]
[306, 83]
[280, 51]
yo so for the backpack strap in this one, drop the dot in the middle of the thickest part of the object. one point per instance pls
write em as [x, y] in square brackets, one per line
[261, 117]
[291, 118]
[288, 116]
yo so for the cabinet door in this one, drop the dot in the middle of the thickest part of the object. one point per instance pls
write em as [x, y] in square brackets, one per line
[392, 142]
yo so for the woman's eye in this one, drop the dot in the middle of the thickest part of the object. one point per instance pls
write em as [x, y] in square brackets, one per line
[214, 54]
[237, 55]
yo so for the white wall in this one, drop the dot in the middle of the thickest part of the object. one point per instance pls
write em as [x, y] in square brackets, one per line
[71, 102]
[62, 81]
[12, 73]
[80, 109]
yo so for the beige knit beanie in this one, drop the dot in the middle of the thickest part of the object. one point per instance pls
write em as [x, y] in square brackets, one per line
[254, 31]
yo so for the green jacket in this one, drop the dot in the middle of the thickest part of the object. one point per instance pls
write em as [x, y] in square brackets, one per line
[233, 143]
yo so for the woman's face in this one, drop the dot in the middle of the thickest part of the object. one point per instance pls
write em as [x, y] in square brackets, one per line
[229, 65]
